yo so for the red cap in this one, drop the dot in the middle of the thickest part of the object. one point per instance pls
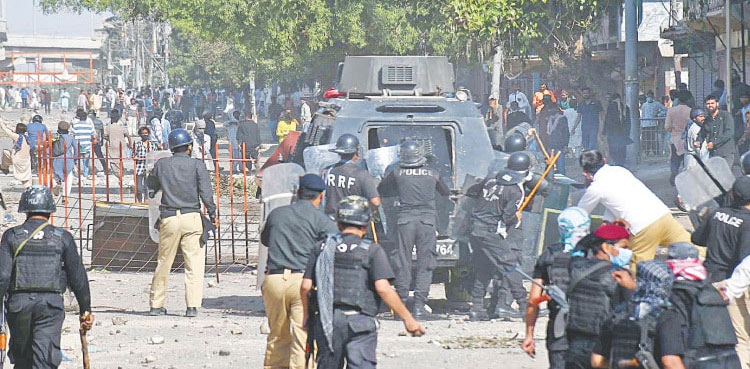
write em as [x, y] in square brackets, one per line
[611, 232]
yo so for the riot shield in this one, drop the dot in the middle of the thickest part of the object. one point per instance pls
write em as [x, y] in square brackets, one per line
[279, 184]
[380, 159]
[318, 157]
[700, 184]
[153, 203]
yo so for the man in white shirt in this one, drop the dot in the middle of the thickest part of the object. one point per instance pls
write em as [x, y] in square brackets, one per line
[304, 115]
[520, 98]
[625, 197]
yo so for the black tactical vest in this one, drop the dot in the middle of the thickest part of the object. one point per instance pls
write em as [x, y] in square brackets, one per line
[351, 282]
[589, 302]
[626, 337]
[38, 266]
[711, 337]
[558, 273]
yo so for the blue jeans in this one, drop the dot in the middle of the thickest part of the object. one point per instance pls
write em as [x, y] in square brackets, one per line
[589, 138]
[272, 124]
[560, 165]
[85, 163]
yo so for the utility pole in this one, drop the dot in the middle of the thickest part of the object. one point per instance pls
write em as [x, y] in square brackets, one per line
[631, 79]
[728, 46]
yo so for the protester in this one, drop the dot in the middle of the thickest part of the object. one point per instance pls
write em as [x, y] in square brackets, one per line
[575, 147]
[538, 100]
[720, 127]
[617, 129]
[19, 155]
[118, 142]
[274, 114]
[559, 136]
[83, 132]
[141, 148]
[591, 111]
[695, 138]
[64, 100]
[304, 115]
[38, 136]
[516, 116]
[625, 197]
[285, 126]
[248, 136]
[232, 127]
[676, 122]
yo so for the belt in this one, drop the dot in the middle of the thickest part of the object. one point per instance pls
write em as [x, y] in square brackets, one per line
[282, 270]
[166, 212]
[346, 310]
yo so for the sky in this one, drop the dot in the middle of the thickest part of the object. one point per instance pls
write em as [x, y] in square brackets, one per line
[23, 14]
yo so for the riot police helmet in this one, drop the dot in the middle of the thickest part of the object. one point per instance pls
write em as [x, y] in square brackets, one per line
[411, 154]
[37, 199]
[745, 160]
[37, 118]
[516, 170]
[346, 144]
[179, 137]
[695, 112]
[515, 142]
[354, 210]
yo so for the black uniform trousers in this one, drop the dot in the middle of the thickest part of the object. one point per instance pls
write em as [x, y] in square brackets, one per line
[355, 338]
[422, 235]
[580, 347]
[495, 260]
[35, 321]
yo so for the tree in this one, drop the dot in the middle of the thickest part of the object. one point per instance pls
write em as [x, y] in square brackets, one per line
[289, 39]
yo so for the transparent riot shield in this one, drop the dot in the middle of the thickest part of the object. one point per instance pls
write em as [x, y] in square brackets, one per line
[379, 161]
[701, 184]
[153, 203]
[279, 185]
[318, 157]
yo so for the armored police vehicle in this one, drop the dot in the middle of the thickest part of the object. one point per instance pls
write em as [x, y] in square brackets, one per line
[384, 100]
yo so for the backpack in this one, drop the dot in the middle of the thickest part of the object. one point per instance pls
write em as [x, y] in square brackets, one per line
[58, 145]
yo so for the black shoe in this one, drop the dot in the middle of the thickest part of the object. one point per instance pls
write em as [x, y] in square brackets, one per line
[478, 316]
[503, 313]
[157, 311]
[191, 312]
[419, 312]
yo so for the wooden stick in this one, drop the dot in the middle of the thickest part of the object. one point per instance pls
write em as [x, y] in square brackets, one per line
[541, 145]
[374, 233]
[539, 182]
[85, 349]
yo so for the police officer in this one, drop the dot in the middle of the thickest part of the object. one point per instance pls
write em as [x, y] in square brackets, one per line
[551, 269]
[352, 276]
[496, 236]
[184, 183]
[598, 282]
[515, 142]
[417, 187]
[346, 178]
[291, 233]
[745, 162]
[37, 262]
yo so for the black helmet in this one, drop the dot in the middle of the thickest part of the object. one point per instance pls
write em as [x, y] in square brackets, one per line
[346, 144]
[518, 161]
[37, 199]
[179, 137]
[37, 119]
[515, 142]
[516, 170]
[354, 210]
[695, 112]
[745, 162]
[411, 155]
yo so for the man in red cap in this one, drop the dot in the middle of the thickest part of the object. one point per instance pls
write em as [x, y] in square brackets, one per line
[599, 281]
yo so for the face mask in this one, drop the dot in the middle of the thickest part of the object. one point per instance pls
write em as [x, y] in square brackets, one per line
[144, 137]
[650, 99]
[622, 259]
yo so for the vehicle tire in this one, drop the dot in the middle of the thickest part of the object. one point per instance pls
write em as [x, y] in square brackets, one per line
[456, 289]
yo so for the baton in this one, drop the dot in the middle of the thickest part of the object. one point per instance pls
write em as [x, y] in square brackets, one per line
[374, 233]
[84, 347]
[539, 182]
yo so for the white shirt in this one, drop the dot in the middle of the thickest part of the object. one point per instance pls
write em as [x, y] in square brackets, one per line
[739, 282]
[623, 196]
[520, 97]
[305, 114]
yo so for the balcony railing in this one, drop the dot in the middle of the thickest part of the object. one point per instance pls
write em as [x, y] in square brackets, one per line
[699, 9]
